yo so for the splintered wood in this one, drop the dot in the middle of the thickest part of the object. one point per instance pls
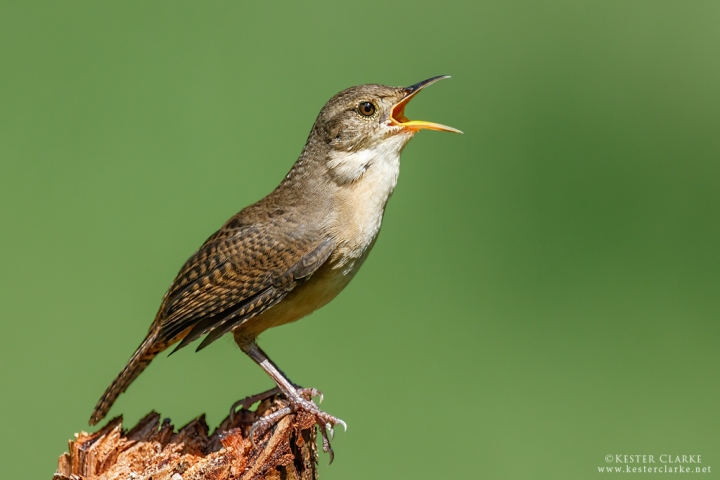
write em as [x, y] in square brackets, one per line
[154, 451]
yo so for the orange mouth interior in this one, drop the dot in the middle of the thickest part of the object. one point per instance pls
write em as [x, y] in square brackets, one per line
[398, 111]
[398, 118]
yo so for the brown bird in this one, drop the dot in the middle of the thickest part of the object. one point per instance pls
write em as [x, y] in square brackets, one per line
[292, 252]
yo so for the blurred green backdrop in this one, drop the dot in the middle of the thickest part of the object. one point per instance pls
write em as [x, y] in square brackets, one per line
[545, 289]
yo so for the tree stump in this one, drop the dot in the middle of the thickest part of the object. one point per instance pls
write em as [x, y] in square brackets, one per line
[154, 451]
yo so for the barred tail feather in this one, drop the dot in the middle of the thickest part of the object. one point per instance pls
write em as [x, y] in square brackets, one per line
[135, 366]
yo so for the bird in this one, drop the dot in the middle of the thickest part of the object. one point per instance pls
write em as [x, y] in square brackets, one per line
[293, 251]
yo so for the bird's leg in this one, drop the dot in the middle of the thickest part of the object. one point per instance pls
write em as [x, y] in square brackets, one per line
[294, 396]
[247, 402]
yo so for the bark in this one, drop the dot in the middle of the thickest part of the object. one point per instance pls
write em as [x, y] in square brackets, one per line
[152, 450]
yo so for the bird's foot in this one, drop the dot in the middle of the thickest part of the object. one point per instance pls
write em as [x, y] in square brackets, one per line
[247, 402]
[296, 402]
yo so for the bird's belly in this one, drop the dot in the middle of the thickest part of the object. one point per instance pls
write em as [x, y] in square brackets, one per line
[324, 285]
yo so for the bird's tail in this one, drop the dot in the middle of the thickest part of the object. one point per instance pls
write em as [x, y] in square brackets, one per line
[137, 363]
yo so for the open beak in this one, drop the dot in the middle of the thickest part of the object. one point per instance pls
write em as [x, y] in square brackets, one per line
[399, 119]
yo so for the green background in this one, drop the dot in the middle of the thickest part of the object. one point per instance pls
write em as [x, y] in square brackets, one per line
[545, 291]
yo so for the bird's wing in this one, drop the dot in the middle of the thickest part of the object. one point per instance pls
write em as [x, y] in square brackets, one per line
[236, 274]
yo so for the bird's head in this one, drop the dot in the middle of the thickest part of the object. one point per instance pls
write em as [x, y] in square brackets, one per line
[361, 117]
[367, 123]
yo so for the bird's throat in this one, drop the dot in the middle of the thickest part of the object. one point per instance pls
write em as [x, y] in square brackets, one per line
[379, 162]
[365, 180]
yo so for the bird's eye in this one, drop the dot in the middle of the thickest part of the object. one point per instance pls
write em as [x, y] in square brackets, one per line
[366, 108]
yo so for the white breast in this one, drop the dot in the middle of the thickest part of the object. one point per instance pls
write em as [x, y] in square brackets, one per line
[367, 179]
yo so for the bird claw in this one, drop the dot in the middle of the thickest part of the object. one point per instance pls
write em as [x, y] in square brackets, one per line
[327, 448]
[310, 393]
[302, 400]
[265, 422]
[248, 402]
